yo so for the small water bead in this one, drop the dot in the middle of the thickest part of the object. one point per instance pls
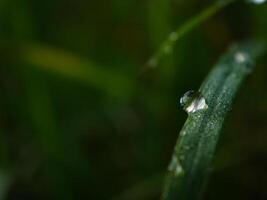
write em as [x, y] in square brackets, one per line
[176, 167]
[241, 57]
[183, 133]
[193, 101]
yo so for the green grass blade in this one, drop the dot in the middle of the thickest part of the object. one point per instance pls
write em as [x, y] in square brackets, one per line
[63, 63]
[167, 45]
[198, 138]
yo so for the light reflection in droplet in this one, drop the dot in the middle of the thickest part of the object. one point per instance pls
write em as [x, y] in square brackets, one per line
[241, 57]
[193, 101]
[176, 167]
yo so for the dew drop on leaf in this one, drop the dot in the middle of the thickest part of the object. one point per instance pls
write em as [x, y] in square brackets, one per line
[241, 57]
[193, 101]
[176, 167]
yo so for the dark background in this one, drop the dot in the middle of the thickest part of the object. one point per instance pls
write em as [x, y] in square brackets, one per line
[78, 121]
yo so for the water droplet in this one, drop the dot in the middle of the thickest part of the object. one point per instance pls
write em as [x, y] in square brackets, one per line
[241, 57]
[183, 133]
[193, 101]
[256, 1]
[176, 167]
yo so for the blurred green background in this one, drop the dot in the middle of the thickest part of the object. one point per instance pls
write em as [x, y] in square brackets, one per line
[78, 121]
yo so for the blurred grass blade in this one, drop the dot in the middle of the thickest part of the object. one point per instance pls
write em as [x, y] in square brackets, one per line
[194, 150]
[42, 119]
[167, 45]
[5, 182]
[146, 189]
[71, 66]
